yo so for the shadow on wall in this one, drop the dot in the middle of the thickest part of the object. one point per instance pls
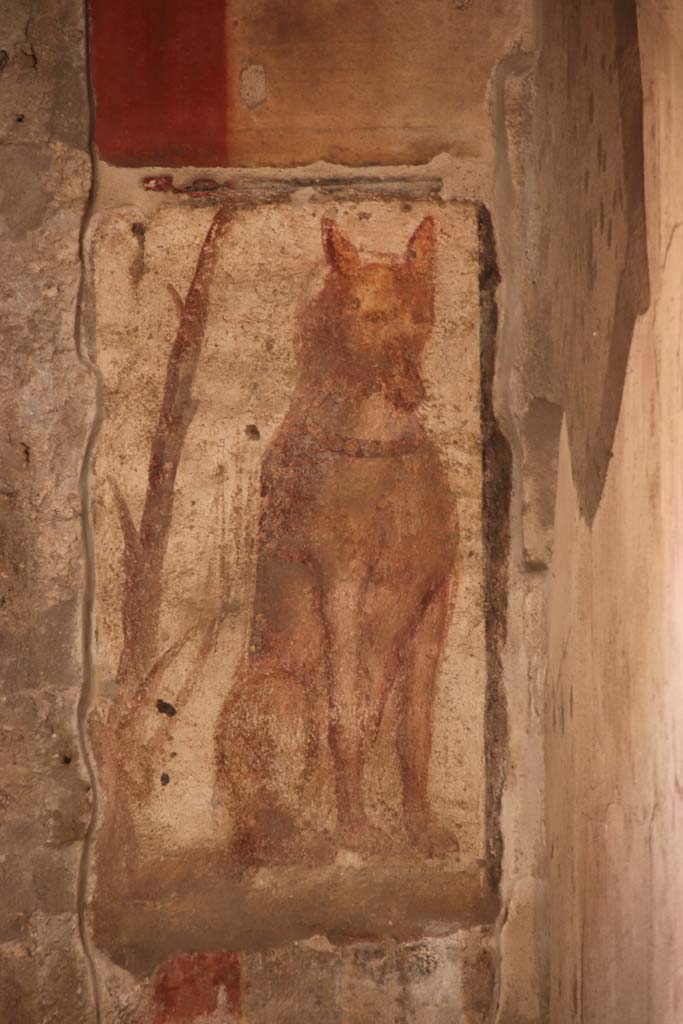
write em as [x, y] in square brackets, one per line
[591, 191]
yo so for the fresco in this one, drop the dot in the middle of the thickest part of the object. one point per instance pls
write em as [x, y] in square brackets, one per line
[289, 646]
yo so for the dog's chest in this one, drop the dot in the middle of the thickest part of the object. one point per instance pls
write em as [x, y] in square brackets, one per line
[320, 496]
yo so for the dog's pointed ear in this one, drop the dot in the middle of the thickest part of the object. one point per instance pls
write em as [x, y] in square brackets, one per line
[340, 253]
[421, 248]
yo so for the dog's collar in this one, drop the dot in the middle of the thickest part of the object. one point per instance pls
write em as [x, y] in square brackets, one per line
[365, 448]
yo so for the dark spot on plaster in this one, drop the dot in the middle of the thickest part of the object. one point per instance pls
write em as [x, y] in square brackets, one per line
[20, 118]
[137, 267]
[367, 954]
[66, 759]
[4, 60]
[201, 185]
[27, 453]
[165, 778]
[252, 432]
[164, 708]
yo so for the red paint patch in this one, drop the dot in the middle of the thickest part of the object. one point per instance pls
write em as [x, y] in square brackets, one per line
[159, 70]
[189, 985]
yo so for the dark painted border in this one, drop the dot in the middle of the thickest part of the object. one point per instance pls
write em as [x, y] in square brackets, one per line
[496, 491]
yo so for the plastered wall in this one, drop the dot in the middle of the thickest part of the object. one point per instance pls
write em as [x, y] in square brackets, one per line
[429, 950]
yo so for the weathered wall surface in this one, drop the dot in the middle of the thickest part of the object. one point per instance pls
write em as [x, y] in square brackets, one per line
[46, 405]
[614, 680]
[280, 85]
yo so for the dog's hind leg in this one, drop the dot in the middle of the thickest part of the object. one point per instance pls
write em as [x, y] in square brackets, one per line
[248, 775]
[416, 702]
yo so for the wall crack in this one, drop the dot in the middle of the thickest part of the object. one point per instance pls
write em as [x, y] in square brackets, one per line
[88, 552]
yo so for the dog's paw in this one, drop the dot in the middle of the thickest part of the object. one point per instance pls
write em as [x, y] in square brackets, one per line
[362, 837]
[434, 840]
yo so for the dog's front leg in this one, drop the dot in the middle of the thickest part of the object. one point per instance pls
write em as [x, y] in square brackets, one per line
[341, 604]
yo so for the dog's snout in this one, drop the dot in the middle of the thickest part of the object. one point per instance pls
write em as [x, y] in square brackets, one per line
[403, 385]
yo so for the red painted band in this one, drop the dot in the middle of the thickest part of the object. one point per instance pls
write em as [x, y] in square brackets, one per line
[159, 71]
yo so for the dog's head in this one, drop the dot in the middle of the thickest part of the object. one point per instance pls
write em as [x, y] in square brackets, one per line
[383, 312]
